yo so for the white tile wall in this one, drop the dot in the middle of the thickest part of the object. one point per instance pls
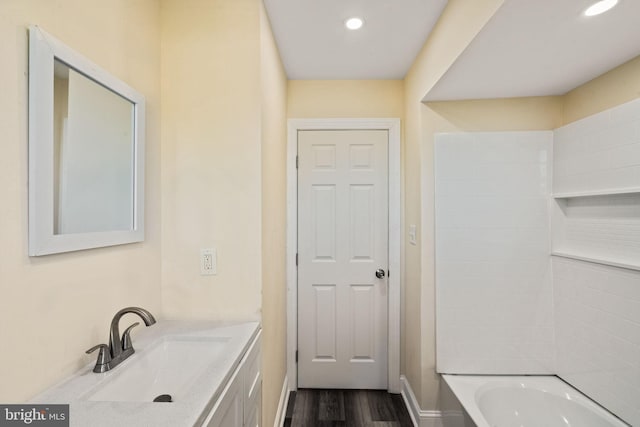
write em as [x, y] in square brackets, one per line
[597, 312]
[600, 152]
[597, 307]
[493, 274]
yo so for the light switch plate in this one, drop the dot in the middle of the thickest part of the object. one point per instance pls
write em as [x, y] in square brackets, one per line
[412, 234]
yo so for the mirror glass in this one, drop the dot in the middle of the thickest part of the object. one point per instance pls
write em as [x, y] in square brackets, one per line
[93, 155]
[86, 152]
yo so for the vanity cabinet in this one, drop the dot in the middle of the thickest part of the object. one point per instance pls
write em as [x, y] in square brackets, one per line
[252, 390]
[240, 403]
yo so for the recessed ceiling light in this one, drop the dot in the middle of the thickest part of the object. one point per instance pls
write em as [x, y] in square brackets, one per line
[355, 23]
[600, 7]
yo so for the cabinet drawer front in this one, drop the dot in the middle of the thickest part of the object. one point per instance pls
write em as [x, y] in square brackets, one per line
[228, 411]
[255, 413]
[252, 374]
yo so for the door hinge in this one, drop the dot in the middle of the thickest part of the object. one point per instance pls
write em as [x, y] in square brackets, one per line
[297, 162]
[296, 260]
[296, 356]
[388, 273]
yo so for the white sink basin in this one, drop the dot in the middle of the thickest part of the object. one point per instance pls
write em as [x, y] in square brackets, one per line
[169, 367]
[191, 360]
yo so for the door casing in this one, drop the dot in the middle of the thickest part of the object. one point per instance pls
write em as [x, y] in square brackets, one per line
[395, 236]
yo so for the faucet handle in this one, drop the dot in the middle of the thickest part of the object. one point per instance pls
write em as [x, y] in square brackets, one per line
[104, 357]
[126, 337]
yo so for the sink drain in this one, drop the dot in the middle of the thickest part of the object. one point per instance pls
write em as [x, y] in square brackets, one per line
[163, 398]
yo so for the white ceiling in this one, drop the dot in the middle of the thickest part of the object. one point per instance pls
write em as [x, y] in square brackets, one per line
[528, 48]
[314, 43]
[541, 47]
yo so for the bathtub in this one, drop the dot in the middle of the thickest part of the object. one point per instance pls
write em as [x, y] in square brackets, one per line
[519, 401]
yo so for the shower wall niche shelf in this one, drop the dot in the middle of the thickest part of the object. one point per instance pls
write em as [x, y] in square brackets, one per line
[599, 227]
[596, 193]
[597, 261]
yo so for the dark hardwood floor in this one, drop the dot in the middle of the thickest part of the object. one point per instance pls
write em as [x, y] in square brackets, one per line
[346, 408]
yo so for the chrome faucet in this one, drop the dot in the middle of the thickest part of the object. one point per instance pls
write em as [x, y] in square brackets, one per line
[120, 348]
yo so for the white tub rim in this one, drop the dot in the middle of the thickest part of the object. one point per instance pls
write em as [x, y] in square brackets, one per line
[466, 388]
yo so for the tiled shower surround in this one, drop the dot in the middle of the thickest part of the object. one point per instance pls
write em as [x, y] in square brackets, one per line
[493, 275]
[599, 153]
[597, 305]
[597, 318]
[520, 291]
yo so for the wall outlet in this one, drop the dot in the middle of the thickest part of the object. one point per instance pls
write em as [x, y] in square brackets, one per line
[412, 234]
[208, 262]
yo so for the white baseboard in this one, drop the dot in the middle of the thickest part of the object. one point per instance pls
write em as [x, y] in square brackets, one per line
[282, 404]
[420, 418]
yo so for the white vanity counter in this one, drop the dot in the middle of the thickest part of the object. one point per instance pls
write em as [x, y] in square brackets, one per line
[120, 397]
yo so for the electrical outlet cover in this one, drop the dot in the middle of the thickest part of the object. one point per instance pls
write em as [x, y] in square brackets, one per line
[208, 262]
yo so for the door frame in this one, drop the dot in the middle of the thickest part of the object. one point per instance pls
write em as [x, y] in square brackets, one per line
[395, 236]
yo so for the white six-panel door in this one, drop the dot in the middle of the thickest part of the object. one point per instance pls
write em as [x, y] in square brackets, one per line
[342, 242]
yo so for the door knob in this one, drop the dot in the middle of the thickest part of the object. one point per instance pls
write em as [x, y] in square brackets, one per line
[379, 273]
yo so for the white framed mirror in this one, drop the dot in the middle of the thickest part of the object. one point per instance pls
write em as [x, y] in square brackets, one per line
[86, 152]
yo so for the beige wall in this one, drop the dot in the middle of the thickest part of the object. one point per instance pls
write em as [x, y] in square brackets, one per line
[224, 183]
[52, 308]
[211, 158]
[274, 221]
[345, 98]
[620, 85]
[460, 22]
